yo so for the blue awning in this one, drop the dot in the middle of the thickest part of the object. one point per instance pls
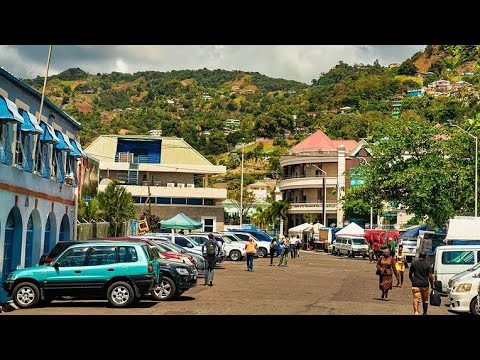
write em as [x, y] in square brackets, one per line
[78, 151]
[64, 143]
[9, 111]
[48, 134]
[30, 123]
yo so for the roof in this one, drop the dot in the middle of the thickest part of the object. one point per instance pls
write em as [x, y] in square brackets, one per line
[320, 141]
[351, 229]
[263, 183]
[413, 232]
[174, 150]
[38, 95]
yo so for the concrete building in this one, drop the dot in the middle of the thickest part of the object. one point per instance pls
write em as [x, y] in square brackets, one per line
[164, 173]
[261, 189]
[303, 172]
[38, 174]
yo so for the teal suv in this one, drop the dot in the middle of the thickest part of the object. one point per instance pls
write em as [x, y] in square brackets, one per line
[120, 272]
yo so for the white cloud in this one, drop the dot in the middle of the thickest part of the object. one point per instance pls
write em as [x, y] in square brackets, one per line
[296, 62]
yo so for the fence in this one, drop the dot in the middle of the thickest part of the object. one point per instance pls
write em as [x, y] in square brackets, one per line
[87, 231]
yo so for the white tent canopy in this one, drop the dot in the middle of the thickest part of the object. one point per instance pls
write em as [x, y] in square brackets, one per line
[300, 229]
[316, 227]
[351, 229]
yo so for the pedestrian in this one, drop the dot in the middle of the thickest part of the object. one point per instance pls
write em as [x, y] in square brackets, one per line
[285, 250]
[182, 232]
[210, 251]
[385, 270]
[393, 246]
[251, 249]
[376, 249]
[420, 274]
[370, 251]
[298, 245]
[273, 248]
[400, 261]
[293, 245]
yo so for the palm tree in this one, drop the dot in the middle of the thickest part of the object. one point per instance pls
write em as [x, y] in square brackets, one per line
[88, 212]
[279, 210]
[116, 206]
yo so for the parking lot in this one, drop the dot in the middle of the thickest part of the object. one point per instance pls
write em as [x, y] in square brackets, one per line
[315, 283]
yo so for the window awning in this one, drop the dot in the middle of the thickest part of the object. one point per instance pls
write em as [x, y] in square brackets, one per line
[64, 143]
[78, 151]
[9, 111]
[48, 134]
[30, 123]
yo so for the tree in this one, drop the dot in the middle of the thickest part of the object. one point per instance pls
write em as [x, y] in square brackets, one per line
[116, 206]
[407, 68]
[248, 199]
[88, 212]
[357, 203]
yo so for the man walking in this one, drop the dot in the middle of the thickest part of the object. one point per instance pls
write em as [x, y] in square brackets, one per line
[251, 249]
[210, 251]
[293, 246]
[273, 248]
[420, 274]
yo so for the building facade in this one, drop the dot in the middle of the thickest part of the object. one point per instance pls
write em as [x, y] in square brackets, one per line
[164, 174]
[38, 175]
[316, 161]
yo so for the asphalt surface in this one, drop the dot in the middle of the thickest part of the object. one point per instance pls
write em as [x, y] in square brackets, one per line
[314, 283]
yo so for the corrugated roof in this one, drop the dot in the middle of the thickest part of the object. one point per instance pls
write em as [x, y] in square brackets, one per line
[320, 141]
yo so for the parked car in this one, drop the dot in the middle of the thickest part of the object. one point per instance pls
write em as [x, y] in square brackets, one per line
[463, 290]
[121, 273]
[234, 250]
[263, 247]
[183, 241]
[59, 247]
[174, 248]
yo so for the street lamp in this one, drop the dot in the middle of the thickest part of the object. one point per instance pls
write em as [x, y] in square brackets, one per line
[241, 186]
[324, 203]
[476, 162]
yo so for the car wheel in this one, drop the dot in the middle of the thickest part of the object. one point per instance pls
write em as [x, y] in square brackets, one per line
[235, 255]
[120, 294]
[262, 252]
[165, 291]
[26, 295]
[475, 306]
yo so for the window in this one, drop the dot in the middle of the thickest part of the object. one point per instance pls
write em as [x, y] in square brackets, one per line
[179, 201]
[208, 224]
[194, 202]
[458, 258]
[127, 254]
[181, 241]
[73, 257]
[136, 199]
[152, 255]
[162, 200]
[208, 202]
[19, 153]
[242, 236]
[198, 239]
[102, 256]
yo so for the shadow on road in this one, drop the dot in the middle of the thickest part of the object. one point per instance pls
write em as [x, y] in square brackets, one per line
[184, 298]
[88, 304]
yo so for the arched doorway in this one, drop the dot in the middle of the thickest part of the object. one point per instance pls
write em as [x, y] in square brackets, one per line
[12, 250]
[64, 229]
[32, 242]
[50, 233]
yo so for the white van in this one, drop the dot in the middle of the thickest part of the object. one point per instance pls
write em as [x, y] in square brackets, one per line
[451, 260]
[463, 290]
[351, 245]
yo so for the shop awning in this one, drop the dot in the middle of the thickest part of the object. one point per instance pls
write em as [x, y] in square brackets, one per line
[77, 149]
[9, 111]
[64, 143]
[30, 122]
[48, 134]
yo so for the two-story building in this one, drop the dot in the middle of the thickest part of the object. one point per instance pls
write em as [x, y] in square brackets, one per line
[315, 161]
[38, 174]
[164, 173]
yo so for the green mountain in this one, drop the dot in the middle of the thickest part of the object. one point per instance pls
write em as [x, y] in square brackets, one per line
[348, 101]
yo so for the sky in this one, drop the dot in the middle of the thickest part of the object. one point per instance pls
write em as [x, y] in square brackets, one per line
[293, 62]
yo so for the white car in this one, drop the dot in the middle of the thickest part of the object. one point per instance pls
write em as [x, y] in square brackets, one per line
[263, 247]
[409, 248]
[463, 290]
[234, 250]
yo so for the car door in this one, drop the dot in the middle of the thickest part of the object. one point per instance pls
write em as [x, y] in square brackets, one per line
[64, 277]
[127, 257]
[100, 266]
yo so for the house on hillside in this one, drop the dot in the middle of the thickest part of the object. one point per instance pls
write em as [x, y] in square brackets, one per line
[393, 65]
[415, 93]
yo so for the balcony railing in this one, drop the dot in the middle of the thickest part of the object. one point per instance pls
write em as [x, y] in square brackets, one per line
[299, 205]
[128, 157]
[294, 176]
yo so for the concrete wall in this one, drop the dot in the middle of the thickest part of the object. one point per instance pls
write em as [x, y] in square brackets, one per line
[195, 212]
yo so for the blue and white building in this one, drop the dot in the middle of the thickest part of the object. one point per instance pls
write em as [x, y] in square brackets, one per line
[38, 175]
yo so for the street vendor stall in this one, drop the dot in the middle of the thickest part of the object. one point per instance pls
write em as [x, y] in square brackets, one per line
[303, 231]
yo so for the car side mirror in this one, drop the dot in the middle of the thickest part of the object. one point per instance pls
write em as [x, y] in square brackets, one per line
[56, 265]
[189, 245]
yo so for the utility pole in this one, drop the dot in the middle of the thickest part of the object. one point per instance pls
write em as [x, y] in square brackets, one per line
[241, 186]
[45, 80]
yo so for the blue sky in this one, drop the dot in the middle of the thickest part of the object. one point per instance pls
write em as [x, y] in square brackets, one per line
[294, 62]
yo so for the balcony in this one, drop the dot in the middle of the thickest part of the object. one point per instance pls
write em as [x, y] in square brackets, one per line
[174, 192]
[304, 182]
[311, 208]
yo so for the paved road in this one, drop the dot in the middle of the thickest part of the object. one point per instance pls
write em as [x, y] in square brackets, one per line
[315, 283]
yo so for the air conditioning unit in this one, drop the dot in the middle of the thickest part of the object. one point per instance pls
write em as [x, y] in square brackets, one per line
[170, 185]
[190, 186]
[180, 185]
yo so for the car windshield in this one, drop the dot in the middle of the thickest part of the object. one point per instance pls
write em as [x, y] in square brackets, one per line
[196, 241]
[359, 241]
[409, 242]
[226, 240]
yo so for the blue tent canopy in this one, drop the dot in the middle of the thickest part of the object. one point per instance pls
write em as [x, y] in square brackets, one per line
[414, 232]
[77, 149]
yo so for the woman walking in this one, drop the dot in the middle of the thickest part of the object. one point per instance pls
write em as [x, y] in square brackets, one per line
[285, 251]
[385, 269]
[273, 248]
[400, 265]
